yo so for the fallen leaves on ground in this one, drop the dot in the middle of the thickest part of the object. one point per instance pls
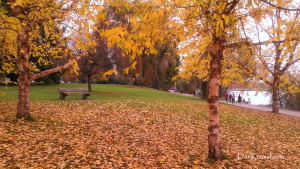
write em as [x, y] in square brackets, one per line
[143, 133]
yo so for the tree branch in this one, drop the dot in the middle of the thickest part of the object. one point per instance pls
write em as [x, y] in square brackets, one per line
[288, 65]
[40, 20]
[266, 65]
[232, 45]
[204, 55]
[60, 68]
[252, 72]
[57, 69]
[290, 61]
[99, 68]
[9, 29]
[278, 7]
[233, 4]
[10, 60]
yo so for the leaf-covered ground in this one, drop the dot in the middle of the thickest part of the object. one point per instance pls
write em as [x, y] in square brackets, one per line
[144, 133]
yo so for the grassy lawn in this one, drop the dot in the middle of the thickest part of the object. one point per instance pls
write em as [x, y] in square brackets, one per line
[139, 127]
[101, 92]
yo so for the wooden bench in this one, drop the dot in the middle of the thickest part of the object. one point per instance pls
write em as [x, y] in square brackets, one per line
[63, 92]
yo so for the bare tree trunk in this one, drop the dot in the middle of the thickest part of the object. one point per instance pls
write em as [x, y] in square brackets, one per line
[155, 84]
[89, 83]
[275, 108]
[135, 82]
[25, 77]
[216, 54]
[220, 91]
[204, 89]
[276, 74]
[130, 79]
[23, 110]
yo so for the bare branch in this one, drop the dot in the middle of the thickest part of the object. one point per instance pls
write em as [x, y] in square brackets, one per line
[205, 53]
[232, 45]
[266, 65]
[57, 69]
[60, 68]
[9, 29]
[290, 61]
[278, 7]
[10, 60]
[252, 72]
[40, 20]
[110, 18]
[232, 5]
[288, 65]
[101, 67]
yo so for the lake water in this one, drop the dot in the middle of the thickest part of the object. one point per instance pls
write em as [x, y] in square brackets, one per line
[260, 98]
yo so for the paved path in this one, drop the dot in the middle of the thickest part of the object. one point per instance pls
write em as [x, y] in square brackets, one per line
[263, 108]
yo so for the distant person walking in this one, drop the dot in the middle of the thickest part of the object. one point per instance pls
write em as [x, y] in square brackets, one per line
[239, 99]
[233, 98]
[200, 93]
[226, 97]
[249, 101]
[230, 96]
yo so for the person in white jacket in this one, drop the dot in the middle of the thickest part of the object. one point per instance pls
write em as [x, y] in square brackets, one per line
[233, 98]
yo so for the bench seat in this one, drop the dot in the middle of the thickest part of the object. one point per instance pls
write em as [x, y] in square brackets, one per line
[63, 92]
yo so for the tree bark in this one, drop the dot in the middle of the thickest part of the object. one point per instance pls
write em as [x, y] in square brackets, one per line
[25, 77]
[135, 82]
[130, 79]
[89, 83]
[204, 89]
[275, 108]
[275, 97]
[223, 93]
[57, 69]
[220, 91]
[216, 54]
[23, 110]
[277, 66]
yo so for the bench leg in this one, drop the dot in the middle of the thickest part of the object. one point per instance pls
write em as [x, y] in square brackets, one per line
[84, 96]
[61, 96]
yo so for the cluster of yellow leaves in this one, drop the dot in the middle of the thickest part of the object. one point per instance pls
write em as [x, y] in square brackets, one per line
[147, 24]
[142, 133]
[237, 26]
[44, 22]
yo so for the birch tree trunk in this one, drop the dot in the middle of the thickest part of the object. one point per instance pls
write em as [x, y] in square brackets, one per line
[23, 109]
[216, 54]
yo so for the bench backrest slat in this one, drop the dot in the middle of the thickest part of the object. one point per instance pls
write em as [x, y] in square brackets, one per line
[72, 90]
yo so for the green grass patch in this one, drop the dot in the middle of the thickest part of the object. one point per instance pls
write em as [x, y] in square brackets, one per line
[100, 92]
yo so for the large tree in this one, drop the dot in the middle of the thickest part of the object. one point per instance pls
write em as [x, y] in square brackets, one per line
[159, 69]
[277, 31]
[20, 21]
[210, 21]
[95, 63]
